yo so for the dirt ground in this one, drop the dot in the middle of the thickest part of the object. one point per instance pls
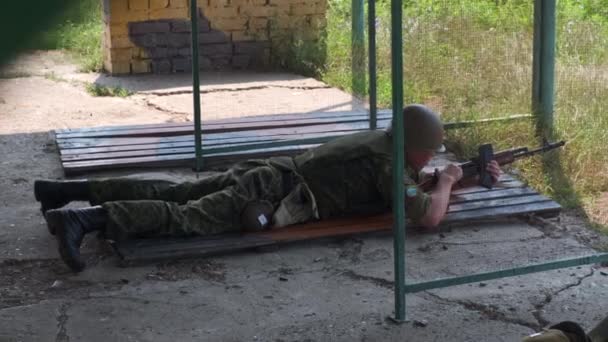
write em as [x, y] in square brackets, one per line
[327, 290]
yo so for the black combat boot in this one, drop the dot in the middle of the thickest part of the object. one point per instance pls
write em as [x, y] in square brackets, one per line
[56, 194]
[70, 226]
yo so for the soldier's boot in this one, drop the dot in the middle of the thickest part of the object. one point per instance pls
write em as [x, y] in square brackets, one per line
[70, 226]
[55, 194]
[600, 332]
[566, 331]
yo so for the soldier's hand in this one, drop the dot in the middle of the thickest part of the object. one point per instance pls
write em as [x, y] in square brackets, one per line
[494, 169]
[452, 172]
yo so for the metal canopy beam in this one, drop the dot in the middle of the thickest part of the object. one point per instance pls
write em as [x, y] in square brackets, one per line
[511, 272]
[196, 91]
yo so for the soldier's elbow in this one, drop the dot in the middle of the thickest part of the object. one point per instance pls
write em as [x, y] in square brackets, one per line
[430, 221]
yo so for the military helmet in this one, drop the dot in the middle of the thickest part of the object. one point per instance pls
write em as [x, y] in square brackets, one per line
[423, 128]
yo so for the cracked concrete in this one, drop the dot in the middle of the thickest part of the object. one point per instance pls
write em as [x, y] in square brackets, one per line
[325, 290]
[243, 89]
[264, 100]
[489, 311]
[62, 320]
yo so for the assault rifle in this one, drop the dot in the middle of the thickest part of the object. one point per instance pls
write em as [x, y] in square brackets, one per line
[477, 165]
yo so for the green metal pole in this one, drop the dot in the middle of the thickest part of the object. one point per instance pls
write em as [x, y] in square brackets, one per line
[196, 91]
[398, 158]
[543, 69]
[371, 23]
[547, 266]
[358, 47]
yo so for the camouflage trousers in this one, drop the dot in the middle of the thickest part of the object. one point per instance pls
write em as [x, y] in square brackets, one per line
[143, 208]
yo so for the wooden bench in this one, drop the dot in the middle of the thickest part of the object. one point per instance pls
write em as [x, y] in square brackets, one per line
[224, 141]
[510, 198]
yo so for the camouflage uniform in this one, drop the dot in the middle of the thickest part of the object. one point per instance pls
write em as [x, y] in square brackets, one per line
[350, 175]
[353, 175]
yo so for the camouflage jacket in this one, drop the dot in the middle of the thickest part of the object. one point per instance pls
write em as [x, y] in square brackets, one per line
[353, 175]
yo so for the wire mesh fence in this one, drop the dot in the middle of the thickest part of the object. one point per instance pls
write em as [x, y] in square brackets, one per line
[473, 59]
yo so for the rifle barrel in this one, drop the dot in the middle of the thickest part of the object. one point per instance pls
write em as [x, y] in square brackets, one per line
[545, 148]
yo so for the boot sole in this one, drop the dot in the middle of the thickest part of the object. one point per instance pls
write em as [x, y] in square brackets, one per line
[39, 189]
[37, 185]
[55, 220]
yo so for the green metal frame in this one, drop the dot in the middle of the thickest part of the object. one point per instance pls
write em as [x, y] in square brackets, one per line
[398, 158]
[196, 88]
[510, 272]
[358, 47]
[371, 23]
[543, 66]
[542, 107]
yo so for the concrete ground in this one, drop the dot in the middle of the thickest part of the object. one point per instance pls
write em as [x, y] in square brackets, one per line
[326, 290]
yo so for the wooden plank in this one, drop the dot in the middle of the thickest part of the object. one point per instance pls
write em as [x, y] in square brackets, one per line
[238, 148]
[237, 125]
[311, 138]
[122, 144]
[159, 146]
[491, 194]
[331, 228]
[189, 247]
[153, 249]
[214, 138]
[66, 144]
[216, 128]
[499, 186]
[546, 207]
[245, 119]
[158, 248]
[495, 203]
[174, 152]
[177, 160]
[260, 119]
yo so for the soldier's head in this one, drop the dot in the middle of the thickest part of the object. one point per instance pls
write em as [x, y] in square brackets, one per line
[423, 134]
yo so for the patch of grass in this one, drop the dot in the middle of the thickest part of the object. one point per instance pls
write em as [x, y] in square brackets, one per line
[100, 90]
[302, 52]
[51, 76]
[78, 31]
[472, 60]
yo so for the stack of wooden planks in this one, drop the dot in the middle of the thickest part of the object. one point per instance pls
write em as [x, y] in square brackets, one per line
[224, 141]
[509, 198]
[172, 144]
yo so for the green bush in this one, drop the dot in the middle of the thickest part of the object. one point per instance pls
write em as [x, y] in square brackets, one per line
[79, 31]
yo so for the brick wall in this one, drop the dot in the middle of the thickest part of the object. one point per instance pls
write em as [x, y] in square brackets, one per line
[143, 36]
